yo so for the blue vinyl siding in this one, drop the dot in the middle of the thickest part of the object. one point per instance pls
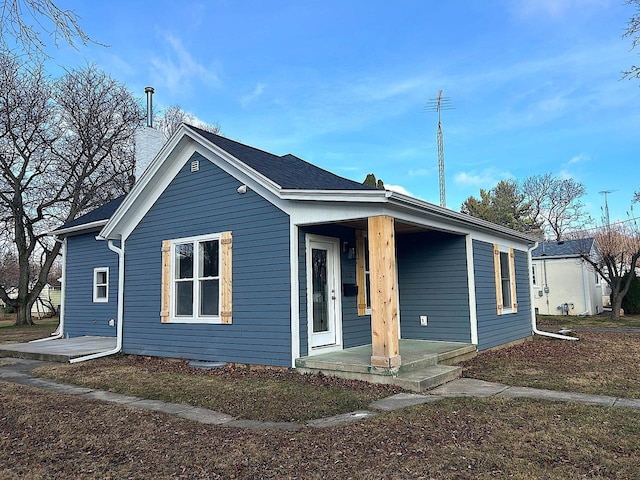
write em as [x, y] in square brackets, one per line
[494, 329]
[432, 281]
[81, 315]
[200, 203]
[356, 330]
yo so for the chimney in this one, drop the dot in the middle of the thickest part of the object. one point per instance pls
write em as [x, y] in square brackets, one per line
[149, 141]
[149, 91]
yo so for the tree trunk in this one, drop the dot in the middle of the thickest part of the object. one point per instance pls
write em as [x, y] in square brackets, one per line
[23, 316]
[616, 305]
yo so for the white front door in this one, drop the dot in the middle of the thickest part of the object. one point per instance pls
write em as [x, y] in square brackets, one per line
[323, 293]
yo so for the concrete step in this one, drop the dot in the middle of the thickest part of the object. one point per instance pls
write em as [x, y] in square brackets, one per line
[427, 378]
[461, 354]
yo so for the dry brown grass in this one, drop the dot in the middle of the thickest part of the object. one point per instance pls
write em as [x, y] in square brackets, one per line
[11, 334]
[256, 393]
[600, 363]
[45, 435]
[598, 321]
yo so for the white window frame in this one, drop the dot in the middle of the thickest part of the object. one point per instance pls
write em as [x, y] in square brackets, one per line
[534, 274]
[196, 317]
[512, 280]
[96, 285]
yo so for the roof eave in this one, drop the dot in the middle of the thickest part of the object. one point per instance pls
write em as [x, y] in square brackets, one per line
[79, 228]
[333, 195]
[457, 217]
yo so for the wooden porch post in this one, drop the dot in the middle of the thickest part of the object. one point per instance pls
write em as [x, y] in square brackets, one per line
[385, 350]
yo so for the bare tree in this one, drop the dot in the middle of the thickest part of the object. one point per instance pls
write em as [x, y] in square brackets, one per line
[556, 204]
[633, 32]
[619, 246]
[21, 19]
[173, 116]
[66, 146]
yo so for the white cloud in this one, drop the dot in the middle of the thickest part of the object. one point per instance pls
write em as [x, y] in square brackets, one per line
[398, 189]
[178, 69]
[486, 178]
[255, 94]
[582, 157]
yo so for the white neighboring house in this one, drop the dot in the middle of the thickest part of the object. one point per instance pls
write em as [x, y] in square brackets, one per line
[49, 297]
[563, 282]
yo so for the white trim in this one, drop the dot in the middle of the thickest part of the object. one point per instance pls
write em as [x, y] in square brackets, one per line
[512, 279]
[535, 278]
[80, 228]
[337, 277]
[97, 298]
[119, 329]
[295, 292]
[195, 317]
[471, 285]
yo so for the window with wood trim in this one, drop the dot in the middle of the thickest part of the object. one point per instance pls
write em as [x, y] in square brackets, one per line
[363, 274]
[196, 279]
[101, 284]
[505, 279]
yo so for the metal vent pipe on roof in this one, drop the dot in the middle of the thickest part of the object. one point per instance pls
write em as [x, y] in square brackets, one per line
[149, 91]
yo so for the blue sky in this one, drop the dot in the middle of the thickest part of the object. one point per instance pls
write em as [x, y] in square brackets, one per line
[536, 84]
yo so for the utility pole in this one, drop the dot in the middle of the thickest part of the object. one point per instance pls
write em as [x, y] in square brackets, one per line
[437, 105]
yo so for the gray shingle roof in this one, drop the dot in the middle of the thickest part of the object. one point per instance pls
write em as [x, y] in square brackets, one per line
[563, 248]
[101, 213]
[288, 171]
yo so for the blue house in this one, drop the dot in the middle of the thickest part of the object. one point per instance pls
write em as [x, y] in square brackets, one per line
[224, 252]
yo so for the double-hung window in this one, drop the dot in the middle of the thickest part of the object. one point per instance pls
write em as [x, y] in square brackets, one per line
[101, 284]
[197, 279]
[505, 279]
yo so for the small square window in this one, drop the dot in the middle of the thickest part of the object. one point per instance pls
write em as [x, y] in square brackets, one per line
[101, 284]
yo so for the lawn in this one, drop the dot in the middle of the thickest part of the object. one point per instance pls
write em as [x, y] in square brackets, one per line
[251, 393]
[602, 321]
[48, 435]
[11, 334]
[600, 363]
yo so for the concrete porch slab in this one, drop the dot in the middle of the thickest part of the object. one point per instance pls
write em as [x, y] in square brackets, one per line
[425, 364]
[415, 354]
[60, 350]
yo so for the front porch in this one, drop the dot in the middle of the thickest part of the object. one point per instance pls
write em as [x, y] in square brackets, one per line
[425, 364]
[58, 350]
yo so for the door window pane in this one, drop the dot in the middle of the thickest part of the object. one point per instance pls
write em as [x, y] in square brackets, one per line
[320, 297]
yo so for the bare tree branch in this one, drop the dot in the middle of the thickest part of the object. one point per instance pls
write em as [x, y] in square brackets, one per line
[66, 146]
[24, 23]
[173, 116]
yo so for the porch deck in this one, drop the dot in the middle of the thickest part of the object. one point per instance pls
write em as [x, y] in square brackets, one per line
[425, 364]
[60, 350]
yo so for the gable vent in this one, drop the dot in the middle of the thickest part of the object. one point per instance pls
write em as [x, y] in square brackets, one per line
[195, 165]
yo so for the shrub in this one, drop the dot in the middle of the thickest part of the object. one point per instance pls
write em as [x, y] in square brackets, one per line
[631, 301]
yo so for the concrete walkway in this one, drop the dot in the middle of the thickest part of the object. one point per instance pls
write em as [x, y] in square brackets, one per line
[18, 370]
